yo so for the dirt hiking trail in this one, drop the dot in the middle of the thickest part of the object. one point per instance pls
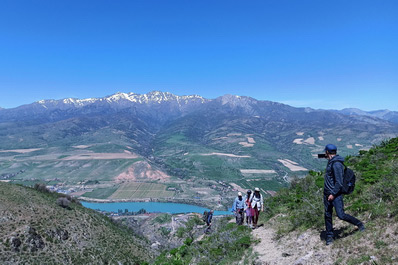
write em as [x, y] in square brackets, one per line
[295, 248]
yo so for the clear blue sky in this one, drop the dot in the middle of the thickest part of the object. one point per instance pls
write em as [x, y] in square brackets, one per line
[320, 54]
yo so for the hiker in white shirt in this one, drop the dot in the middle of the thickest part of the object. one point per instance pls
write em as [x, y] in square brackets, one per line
[256, 200]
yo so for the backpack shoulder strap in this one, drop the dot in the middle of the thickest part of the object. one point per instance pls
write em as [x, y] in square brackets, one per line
[339, 162]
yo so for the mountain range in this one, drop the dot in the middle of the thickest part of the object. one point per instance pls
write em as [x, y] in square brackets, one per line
[388, 115]
[236, 139]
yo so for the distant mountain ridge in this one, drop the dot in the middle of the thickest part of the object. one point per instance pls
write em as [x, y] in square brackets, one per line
[184, 136]
[121, 100]
[388, 115]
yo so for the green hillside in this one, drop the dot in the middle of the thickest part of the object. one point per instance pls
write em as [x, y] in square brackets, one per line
[35, 229]
[374, 201]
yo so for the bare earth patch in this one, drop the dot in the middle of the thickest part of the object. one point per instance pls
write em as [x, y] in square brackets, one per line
[293, 166]
[298, 141]
[349, 146]
[300, 133]
[321, 138]
[234, 134]
[257, 171]
[81, 146]
[101, 156]
[245, 144]
[220, 138]
[251, 140]
[310, 140]
[21, 151]
[142, 170]
[238, 188]
[222, 154]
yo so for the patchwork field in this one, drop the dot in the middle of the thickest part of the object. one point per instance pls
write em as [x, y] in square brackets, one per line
[136, 190]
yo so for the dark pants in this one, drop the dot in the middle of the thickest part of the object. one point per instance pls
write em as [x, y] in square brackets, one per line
[255, 216]
[338, 205]
[240, 216]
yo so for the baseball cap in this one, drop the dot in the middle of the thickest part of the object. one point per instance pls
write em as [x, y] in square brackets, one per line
[256, 189]
[239, 193]
[330, 147]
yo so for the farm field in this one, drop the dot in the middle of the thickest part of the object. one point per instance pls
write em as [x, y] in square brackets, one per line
[138, 190]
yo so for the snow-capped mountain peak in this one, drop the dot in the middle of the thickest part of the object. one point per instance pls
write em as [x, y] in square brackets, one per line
[121, 99]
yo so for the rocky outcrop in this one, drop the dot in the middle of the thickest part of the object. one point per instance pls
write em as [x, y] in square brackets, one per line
[32, 241]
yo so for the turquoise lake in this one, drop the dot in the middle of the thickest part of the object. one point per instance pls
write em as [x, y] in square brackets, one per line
[150, 207]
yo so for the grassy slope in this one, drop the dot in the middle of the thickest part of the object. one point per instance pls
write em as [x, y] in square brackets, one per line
[91, 237]
[226, 244]
[374, 201]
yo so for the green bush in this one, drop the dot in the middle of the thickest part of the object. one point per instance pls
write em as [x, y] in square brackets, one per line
[162, 219]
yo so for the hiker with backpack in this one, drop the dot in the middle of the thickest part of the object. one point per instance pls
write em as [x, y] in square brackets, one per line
[256, 200]
[249, 209]
[208, 216]
[238, 208]
[334, 188]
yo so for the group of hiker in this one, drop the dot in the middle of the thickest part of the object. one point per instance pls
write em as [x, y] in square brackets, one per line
[335, 186]
[250, 206]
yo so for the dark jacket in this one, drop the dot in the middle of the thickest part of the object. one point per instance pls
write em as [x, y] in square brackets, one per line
[209, 217]
[334, 177]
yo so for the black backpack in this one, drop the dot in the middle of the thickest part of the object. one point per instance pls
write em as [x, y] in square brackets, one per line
[204, 216]
[349, 179]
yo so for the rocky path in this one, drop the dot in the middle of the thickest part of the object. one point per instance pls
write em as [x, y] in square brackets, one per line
[298, 249]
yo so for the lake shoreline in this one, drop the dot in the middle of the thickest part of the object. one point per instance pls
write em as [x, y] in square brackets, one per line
[150, 207]
[200, 203]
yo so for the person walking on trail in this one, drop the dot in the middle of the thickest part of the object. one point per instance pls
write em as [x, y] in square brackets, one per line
[249, 209]
[208, 221]
[332, 193]
[238, 208]
[257, 203]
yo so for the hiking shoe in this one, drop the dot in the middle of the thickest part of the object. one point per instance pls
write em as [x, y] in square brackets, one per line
[329, 241]
[361, 228]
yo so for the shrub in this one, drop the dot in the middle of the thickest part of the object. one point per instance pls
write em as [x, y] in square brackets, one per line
[225, 245]
[41, 187]
[63, 202]
[162, 219]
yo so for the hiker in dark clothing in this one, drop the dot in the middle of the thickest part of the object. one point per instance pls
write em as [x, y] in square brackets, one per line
[332, 192]
[208, 221]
